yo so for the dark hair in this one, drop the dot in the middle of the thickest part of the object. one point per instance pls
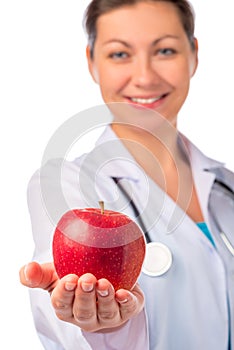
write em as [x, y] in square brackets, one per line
[98, 7]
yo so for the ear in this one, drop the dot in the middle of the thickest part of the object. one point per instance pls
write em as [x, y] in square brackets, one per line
[195, 58]
[91, 64]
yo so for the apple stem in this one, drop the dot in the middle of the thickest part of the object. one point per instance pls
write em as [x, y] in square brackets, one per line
[101, 203]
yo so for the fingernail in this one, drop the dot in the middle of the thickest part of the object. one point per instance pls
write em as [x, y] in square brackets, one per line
[122, 301]
[69, 286]
[103, 293]
[26, 273]
[87, 287]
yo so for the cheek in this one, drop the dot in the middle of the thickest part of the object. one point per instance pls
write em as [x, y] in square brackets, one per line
[178, 74]
[112, 78]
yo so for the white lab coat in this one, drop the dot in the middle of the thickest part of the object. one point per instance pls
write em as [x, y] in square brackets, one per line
[191, 306]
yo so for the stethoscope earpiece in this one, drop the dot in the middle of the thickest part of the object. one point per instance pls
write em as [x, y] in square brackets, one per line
[158, 259]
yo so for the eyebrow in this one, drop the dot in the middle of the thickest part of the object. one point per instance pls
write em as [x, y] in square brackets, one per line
[155, 42]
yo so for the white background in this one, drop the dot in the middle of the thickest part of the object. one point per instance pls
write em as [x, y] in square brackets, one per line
[44, 81]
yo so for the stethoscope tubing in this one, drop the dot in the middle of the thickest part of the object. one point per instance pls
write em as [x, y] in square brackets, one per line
[222, 234]
[134, 208]
[143, 227]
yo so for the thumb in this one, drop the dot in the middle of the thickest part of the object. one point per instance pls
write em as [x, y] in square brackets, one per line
[34, 275]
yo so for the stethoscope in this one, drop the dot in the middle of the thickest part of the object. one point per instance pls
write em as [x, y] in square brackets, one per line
[158, 259]
[222, 234]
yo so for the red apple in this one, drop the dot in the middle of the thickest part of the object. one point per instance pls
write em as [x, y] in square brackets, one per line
[106, 243]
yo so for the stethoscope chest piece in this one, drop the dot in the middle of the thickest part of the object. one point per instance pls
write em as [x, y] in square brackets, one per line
[158, 259]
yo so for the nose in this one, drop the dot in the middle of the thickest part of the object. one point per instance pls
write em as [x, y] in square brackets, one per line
[144, 74]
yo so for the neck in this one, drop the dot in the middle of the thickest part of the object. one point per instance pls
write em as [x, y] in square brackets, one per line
[164, 160]
[162, 144]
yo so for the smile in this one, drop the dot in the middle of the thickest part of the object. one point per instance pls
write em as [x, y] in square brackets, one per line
[146, 101]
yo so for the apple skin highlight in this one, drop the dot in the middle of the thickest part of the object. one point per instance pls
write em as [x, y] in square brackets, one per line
[107, 244]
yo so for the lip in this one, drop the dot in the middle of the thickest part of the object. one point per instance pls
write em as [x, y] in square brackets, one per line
[153, 105]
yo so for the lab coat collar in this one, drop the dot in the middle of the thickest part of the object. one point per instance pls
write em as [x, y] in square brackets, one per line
[124, 165]
[203, 171]
[198, 160]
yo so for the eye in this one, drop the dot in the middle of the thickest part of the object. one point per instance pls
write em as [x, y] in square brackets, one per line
[119, 55]
[166, 52]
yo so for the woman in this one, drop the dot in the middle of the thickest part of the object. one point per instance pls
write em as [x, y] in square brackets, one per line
[143, 55]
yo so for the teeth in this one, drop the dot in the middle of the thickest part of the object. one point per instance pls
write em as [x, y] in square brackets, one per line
[145, 100]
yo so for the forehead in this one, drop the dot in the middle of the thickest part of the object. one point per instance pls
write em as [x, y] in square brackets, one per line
[140, 20]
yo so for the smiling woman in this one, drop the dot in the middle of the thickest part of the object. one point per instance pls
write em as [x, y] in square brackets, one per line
[142, 54]
[148, 68]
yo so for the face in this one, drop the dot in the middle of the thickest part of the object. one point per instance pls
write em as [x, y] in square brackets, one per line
[142, 57]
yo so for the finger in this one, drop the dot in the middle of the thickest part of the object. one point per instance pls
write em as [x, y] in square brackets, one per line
[131, 302]
[108, 308]
[84, 307]
[63, 296]
[43, 276]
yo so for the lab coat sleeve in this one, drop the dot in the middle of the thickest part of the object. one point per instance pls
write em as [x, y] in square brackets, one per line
[54, 333]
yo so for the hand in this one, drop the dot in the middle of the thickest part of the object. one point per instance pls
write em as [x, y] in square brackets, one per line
[91, 304]
[94, 305]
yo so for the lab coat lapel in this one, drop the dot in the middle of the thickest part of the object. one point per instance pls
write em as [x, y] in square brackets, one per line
[224, 176]
[203, 174]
